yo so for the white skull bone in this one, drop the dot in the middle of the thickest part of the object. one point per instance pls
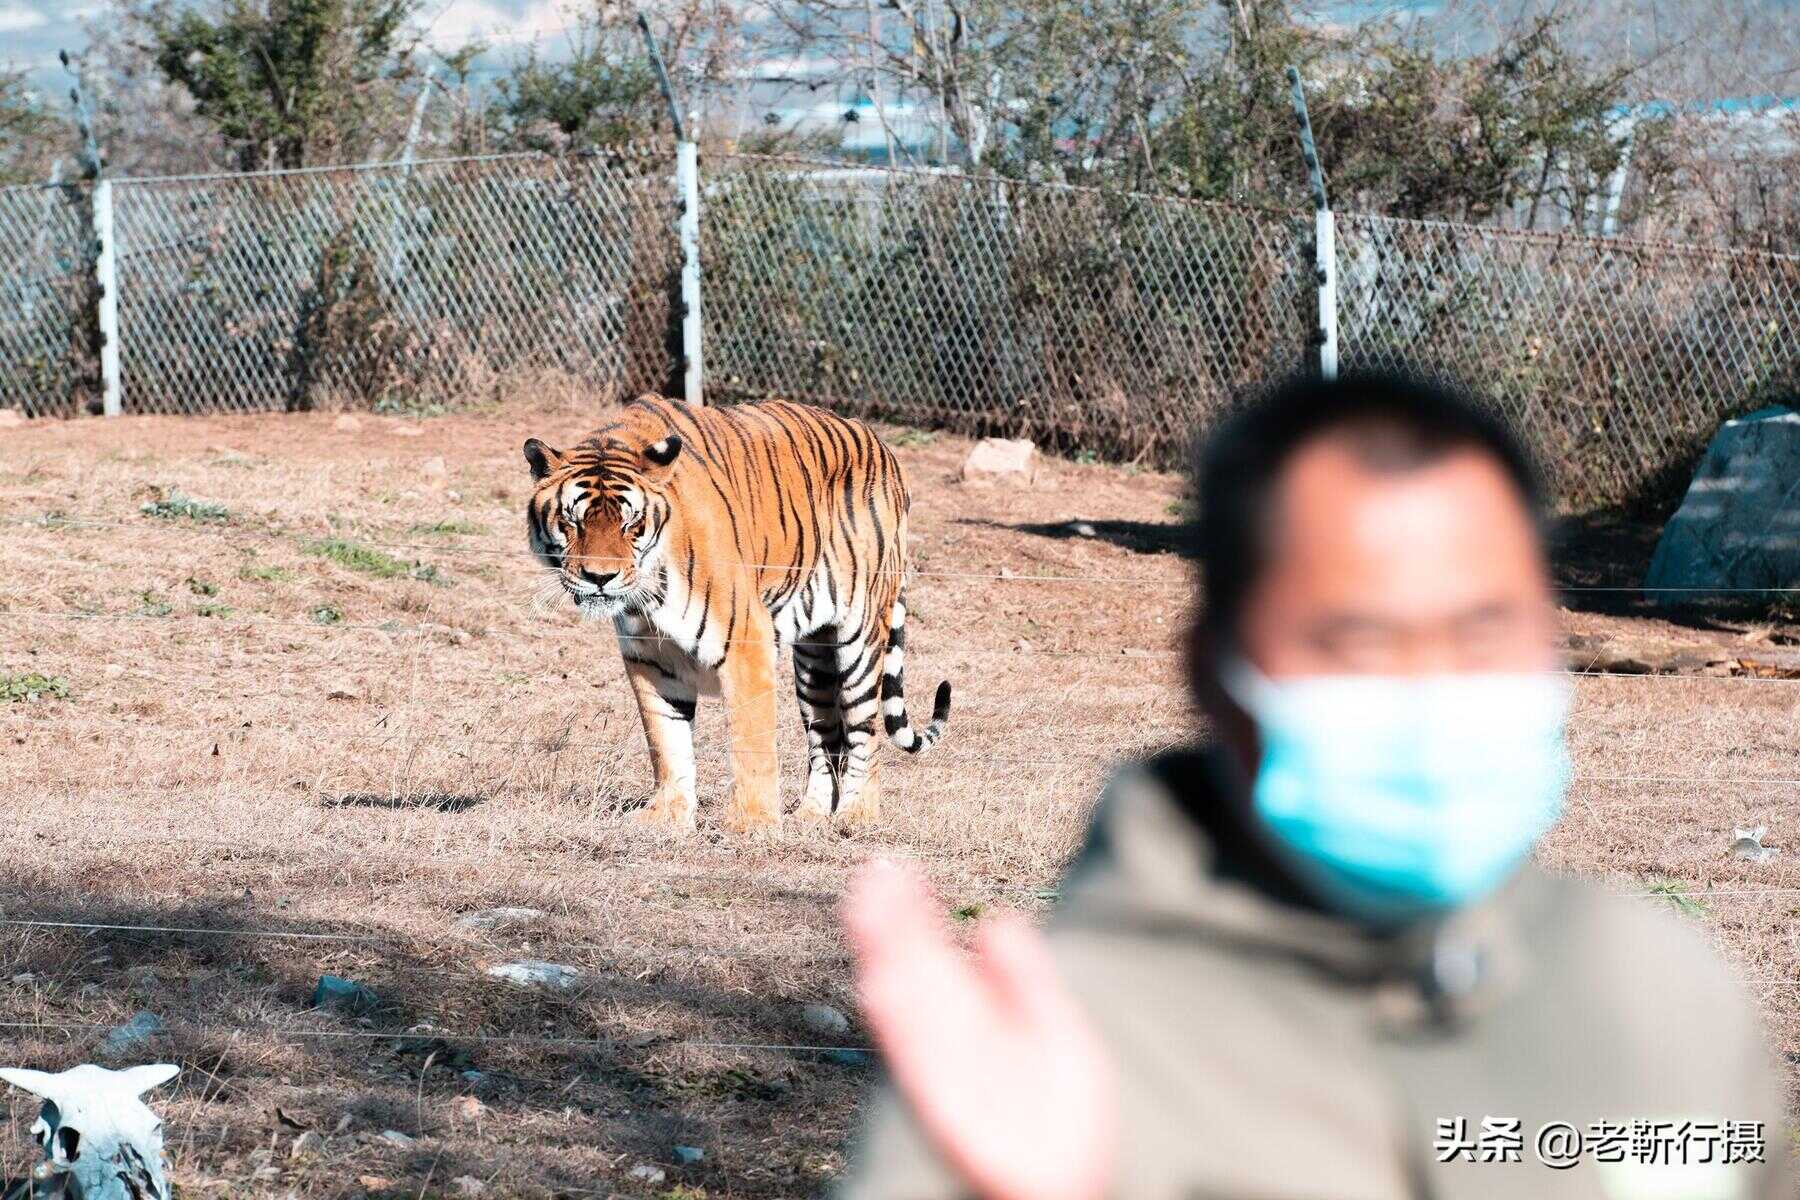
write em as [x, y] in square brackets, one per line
[96, 1132]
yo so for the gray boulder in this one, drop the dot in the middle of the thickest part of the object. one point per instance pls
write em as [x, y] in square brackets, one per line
[1739, 525]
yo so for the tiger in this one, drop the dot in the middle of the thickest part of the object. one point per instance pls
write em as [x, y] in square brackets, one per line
[711, 536]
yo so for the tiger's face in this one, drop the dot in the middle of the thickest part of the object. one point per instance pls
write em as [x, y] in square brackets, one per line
[599, 517]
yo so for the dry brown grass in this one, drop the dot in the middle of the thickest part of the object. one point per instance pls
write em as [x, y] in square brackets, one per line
[449, 745]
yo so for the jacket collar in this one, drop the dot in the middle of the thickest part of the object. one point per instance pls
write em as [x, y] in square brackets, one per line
[1170, 853]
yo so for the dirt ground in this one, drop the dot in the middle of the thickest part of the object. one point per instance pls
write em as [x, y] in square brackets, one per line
[282, 697]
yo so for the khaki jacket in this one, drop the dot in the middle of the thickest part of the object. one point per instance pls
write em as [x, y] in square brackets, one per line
[1270, 1051]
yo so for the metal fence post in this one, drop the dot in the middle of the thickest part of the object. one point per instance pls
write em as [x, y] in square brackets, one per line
[1325, 265]
[687, 186]
[687, 182]
[105, 256]
[1324, 237]
[397, 231]
[106, 283]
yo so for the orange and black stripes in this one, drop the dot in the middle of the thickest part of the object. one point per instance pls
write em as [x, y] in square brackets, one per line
[708, 535]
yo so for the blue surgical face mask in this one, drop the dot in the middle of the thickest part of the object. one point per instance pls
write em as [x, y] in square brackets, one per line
[1396, 797]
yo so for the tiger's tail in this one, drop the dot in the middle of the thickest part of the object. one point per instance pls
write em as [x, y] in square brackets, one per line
[893, 693]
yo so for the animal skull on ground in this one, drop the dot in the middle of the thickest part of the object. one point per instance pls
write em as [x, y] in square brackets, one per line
[100, 1141]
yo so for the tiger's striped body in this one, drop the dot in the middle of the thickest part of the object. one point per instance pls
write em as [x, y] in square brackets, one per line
[710, 535]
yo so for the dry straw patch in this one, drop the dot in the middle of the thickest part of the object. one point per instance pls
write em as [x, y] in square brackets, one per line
[339, 708]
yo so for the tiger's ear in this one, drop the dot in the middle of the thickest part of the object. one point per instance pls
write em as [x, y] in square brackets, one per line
[541, 458]
[663, 453]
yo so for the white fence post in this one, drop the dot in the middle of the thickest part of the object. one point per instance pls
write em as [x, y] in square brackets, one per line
[687, 182]
[1325, 263]
[1324, 238]
[106, 258]
[106, 283]
[687, 187]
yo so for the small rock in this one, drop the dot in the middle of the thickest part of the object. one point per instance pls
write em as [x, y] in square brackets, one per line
[646, 1173]
[1747, 844]
[497, 918]
[848, 1058]
[998, 460]
[133, 1034]
[433, 468]
[474, 1076]
[532, 973]
[10, 417]
[347, 423]
[337, 994]
[395, 1137]
[822, 1018]
[1083, 529]
[468, 1185]
[399, 429]
[310, 1142]
[687, 1156]
[114, 670]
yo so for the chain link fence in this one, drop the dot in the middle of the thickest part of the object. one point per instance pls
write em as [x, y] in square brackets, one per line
[391, 286]
[46, 365]
[1617, 359]
[1083, 319]
[1092, 321]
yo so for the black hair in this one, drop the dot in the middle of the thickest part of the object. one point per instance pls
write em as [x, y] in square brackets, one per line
[1391, 421]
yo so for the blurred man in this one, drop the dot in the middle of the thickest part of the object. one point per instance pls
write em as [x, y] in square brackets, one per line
[1309, 960]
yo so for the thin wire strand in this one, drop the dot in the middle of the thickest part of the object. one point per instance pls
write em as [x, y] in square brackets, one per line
[332, 936]
[221, 623]
[446, 1035]
[522, 553]
[1018, 647]
[555, 744]
[1676, 891]
[447, 549]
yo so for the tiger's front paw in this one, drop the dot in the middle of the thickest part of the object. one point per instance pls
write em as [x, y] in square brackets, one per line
[754, 808]
[862, 811]
[668, 809]
[815, 806]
